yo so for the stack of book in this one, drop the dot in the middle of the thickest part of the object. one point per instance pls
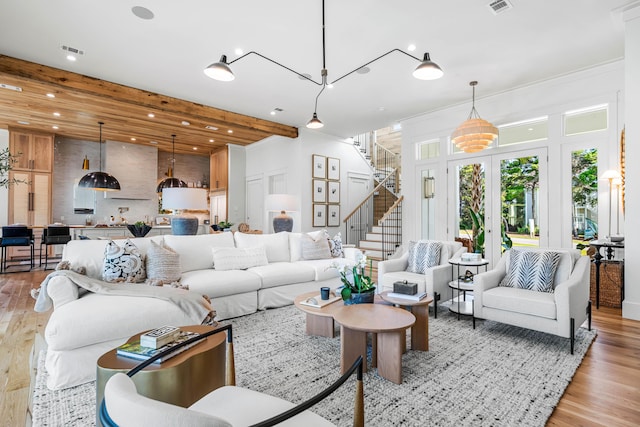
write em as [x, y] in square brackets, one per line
[155, 342]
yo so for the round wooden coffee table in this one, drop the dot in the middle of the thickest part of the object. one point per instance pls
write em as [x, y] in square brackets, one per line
[181, 380]
[388, 325]
[319, 319]
[420, 309]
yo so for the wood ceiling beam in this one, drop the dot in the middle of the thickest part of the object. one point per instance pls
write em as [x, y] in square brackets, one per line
[83, 101]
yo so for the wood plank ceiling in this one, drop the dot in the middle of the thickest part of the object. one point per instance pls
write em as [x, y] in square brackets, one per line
[81, 102]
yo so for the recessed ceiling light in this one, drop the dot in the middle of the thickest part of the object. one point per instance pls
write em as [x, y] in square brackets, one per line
[56, 114]
[54, 127]
[212, 140]
[151, 115]
[50, 95]
[133, 139]
[23, 122]
[273, 113]
[71, 58]
[239, 51]
[142, 12]
[195, 148]
[153, 142]
[229, 131]
[411, 47]
[185, 123]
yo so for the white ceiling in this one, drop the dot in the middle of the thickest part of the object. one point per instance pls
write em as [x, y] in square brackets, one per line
[533, 41]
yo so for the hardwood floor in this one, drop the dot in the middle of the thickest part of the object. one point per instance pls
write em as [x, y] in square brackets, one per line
[605, 390]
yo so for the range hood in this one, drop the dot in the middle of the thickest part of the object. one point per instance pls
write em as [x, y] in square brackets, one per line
[135, 167]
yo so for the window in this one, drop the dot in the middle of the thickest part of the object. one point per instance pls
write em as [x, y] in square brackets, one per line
[585, 120]
[524, 131]
[428, 149]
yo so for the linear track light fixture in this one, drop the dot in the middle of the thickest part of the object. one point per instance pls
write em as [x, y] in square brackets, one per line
[221, 70]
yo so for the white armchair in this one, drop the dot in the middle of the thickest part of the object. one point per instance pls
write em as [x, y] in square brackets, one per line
[555, 312]
[434, 281]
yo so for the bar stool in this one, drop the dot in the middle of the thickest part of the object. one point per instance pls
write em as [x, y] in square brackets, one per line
[51, 236]
[16, 235]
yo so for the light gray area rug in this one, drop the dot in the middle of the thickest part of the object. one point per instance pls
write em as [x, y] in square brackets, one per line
[495, 375]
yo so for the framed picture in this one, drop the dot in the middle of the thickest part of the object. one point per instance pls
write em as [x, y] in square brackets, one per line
[333, 192]
[333, 216]
[319, 166]
[319, 191]
[333, 169]
[319, 215]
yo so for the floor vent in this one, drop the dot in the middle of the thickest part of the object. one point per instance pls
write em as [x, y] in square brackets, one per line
[499, 6]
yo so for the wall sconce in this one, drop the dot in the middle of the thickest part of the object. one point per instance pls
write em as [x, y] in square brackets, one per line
[429, 186]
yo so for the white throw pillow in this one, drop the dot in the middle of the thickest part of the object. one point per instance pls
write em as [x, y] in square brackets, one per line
[315, 249]
[123, 263]
[276, 245]
[163, 263]
[295, 243]
[239, 258]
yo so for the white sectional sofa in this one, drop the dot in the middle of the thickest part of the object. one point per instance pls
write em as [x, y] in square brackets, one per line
[84, 325]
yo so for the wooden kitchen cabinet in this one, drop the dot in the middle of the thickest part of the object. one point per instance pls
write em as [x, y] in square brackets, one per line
[34, 152]
[219, 170]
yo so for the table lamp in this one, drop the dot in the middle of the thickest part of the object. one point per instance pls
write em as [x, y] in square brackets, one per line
[180, 199]
[282, 203]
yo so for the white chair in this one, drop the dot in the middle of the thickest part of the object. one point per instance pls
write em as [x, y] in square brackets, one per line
[434, 281]
[224, 407]
[555, 312]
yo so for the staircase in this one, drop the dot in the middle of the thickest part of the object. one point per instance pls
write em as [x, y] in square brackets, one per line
[375, 226]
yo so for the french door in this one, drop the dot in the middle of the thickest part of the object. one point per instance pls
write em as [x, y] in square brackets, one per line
[499, 201]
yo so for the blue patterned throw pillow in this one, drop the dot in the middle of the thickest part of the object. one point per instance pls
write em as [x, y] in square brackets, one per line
[532, 270]
[123, 263]
[423, 256]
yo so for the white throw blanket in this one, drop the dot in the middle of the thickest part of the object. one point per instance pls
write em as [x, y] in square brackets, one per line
[191, 303]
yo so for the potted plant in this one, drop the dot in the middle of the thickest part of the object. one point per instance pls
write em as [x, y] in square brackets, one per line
[139, 229]
[225, 225]
[357, 287]
[6, 162]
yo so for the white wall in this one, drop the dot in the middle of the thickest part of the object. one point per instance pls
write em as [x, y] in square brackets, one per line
[631, 304]
[598, 85]
[276, 155]
[4, 193]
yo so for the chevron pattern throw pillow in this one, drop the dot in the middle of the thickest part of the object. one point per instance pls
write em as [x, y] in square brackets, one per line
[532, 270]
[423, 256]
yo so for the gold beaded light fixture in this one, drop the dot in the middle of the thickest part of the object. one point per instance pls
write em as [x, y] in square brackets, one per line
[474, 134]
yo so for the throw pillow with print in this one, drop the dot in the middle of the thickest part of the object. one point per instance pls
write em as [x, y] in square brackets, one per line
[123, 263]
[532, 270]
[423, 255]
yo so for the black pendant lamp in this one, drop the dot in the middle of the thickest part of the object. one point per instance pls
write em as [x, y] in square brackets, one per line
[100, 181]
[170, 181]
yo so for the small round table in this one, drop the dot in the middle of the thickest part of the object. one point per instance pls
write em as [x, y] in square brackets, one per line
[181, 380]
[463, 306]
[388, 325]
[420, 309]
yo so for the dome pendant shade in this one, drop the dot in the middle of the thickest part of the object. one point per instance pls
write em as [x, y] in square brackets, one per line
[220, 70]
[427, 70]
[99, 181]
[474, 134]
[170, 183]
[315, 122]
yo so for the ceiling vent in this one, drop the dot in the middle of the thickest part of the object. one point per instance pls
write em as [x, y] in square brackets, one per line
[211, 127]
[73, 50]
[499, 6]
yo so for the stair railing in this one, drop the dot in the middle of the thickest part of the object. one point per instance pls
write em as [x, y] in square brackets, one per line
[391, 224]
[360, 221]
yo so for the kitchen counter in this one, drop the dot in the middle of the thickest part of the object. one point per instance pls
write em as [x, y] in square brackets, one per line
[121, 231]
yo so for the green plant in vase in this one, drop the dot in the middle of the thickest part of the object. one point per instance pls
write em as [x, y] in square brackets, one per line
[225, 225]
[357, 285]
